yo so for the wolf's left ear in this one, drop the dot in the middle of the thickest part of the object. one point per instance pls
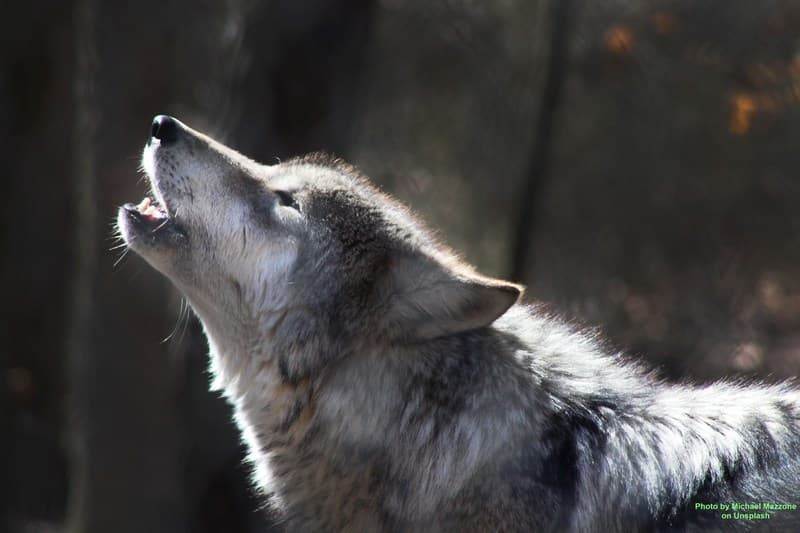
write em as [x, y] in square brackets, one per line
[429, 298]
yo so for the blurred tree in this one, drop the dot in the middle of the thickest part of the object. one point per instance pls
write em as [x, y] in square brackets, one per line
[80, 349]
[527, 208]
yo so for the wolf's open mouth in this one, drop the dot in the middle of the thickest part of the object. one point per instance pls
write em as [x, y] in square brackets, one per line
[151, 211]
[152, 216]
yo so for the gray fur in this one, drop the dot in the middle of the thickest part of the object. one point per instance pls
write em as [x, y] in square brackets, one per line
[382, 385]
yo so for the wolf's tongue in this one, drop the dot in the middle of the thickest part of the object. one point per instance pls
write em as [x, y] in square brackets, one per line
[144, 204]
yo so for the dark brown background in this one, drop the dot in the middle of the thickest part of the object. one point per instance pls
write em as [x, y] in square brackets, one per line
[633, 162]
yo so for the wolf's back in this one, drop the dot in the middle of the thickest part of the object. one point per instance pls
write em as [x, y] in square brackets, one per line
[634, 452]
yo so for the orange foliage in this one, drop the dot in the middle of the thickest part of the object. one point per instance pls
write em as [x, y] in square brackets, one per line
[619, 40]
[776, 87]
[744, 107]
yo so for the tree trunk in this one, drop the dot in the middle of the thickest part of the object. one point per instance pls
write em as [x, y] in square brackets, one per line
[80, 351]
[539, 165]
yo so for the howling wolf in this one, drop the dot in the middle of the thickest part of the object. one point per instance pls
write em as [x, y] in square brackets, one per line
[381, 384]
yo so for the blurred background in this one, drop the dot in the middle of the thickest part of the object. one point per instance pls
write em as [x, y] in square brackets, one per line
[634, 163]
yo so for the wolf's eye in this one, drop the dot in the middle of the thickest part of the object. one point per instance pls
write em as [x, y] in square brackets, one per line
[286, 199]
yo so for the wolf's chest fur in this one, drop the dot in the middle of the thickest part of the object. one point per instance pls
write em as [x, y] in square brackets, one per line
[381, 441]
[312, 488]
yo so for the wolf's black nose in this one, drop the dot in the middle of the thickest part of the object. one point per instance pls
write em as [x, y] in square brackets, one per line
[165, 129]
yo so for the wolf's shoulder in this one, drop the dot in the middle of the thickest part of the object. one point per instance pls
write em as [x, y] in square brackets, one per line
[570, 359]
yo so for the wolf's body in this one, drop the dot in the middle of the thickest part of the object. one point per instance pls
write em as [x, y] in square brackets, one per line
[382, 385]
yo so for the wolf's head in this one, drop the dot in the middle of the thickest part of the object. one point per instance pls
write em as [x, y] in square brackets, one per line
[305, 257]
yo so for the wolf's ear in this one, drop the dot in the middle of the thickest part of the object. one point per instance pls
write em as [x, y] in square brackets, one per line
[428, 298]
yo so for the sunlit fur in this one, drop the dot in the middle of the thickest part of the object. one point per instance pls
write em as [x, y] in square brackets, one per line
[382, 385]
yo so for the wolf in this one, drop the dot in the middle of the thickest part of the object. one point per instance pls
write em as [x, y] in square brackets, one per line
[382, 384]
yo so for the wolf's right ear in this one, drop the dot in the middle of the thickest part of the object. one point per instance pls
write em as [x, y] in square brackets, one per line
[428, 298]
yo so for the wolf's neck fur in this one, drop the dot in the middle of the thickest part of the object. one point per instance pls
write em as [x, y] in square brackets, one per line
[271, 413]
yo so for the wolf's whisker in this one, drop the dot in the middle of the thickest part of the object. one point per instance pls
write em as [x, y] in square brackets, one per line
[120, 258]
